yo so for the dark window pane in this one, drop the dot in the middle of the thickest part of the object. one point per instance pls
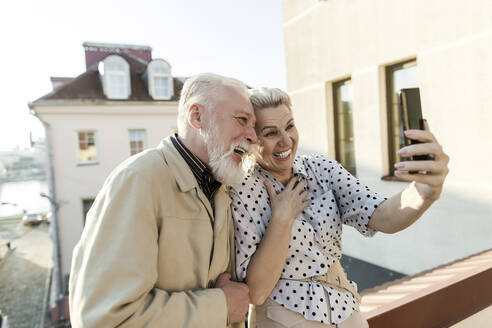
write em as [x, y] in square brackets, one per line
[344, 127]
[86, 205]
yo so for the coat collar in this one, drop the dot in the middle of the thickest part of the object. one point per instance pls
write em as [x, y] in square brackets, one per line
[185, 178]
[180, 169]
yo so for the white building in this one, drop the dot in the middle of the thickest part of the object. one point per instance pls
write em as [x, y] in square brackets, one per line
[346, 61]
[123, 103]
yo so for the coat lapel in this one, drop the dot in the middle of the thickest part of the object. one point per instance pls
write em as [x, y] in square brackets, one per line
[184, 176]
[205, 203]
[180, 169]
[221, 221]
[221, 250]
[222, 209]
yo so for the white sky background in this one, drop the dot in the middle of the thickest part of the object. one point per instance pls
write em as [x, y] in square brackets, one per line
[39, 39]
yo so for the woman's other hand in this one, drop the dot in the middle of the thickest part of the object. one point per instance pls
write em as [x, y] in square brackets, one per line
[288, 204]
[431, 173]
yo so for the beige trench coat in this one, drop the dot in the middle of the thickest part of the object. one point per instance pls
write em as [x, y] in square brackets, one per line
[152, 249]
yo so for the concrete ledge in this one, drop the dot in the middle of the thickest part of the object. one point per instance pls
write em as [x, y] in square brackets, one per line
[435, 298]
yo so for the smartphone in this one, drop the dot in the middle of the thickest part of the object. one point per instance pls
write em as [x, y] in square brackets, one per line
[411, 117]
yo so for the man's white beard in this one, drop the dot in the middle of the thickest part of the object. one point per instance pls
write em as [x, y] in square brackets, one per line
[224, 168]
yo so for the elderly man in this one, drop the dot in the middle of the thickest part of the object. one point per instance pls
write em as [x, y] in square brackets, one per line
[158, 247]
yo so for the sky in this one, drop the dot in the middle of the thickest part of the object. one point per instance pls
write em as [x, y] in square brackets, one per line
[39, 39]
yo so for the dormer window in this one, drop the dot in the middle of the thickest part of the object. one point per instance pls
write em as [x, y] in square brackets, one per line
[115, 75]
[160, 80]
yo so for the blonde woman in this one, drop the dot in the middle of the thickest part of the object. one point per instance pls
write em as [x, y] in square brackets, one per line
[289, 213]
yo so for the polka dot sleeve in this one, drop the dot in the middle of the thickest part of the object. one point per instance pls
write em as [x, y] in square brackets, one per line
[246, 234]
[356, 202]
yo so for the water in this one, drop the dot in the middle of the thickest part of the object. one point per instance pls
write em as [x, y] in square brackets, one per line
[25, 194]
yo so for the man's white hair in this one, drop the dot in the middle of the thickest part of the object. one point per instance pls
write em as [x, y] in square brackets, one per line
[205, 89]
[269, 97]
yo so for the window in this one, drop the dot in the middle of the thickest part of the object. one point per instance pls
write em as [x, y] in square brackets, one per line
[116, 86]
[399, 76]
[86, 206]
[161, 87]
[344, 130]
[87, 146]
[160, 81]
[115, 74]
[137, 141]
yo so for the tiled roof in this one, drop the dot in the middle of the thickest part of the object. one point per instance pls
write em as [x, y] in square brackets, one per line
[88, 86]
[443, 295]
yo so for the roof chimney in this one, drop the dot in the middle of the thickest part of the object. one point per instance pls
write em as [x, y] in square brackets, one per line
[95, 52]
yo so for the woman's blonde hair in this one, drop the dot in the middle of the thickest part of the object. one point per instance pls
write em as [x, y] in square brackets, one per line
[269, 97]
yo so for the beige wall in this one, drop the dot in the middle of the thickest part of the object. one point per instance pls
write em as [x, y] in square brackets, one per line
[327, 41]
[75, 182]
[479, 319]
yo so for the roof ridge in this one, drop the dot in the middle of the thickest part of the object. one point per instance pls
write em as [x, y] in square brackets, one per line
[116, 45]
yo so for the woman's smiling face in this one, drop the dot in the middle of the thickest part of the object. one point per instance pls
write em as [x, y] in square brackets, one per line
[277, 141]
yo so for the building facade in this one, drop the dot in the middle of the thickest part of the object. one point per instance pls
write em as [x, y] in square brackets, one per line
[124, 102]
[346, 62]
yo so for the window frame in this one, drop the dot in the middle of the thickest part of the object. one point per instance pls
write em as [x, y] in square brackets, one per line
[106, 77]
[152, 74]
[389, 70]
[336, 128]
[91, 162]
[144, 139]
[154, 89]
[110, 86]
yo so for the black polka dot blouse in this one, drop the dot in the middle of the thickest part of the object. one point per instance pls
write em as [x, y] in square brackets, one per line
[336, 198]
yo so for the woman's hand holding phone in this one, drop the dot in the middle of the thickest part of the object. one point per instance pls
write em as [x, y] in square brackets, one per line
[431, 173]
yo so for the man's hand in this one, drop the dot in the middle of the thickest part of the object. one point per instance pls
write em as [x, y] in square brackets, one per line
[237, 296]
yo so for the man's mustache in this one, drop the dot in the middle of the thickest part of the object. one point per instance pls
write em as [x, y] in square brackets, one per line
[242, 144]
